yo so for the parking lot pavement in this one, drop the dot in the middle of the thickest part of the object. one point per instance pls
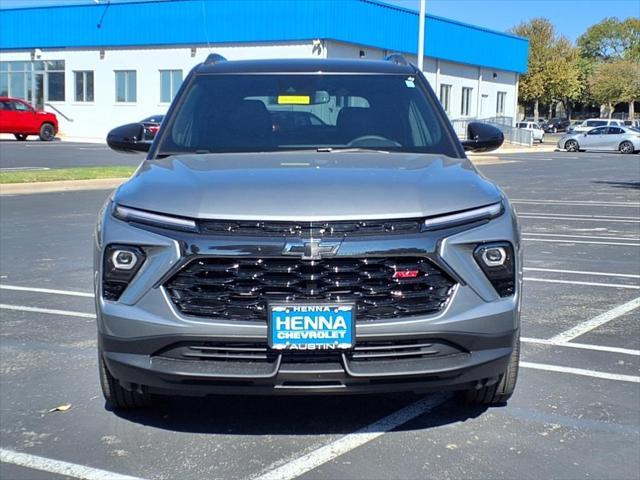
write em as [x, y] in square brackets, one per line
[575, 414]
[57, 154]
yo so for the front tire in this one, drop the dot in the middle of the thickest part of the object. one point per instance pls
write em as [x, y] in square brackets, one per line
[117, 397]
[21, 137]
[626, 147]
[500, 392]
[571, 146]
[47, 132]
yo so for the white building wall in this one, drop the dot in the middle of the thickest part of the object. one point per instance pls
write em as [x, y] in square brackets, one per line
[93, 120]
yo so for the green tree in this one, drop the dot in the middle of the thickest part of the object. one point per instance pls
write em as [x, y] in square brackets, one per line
[565, 81]
[612, 39]
[615, 82]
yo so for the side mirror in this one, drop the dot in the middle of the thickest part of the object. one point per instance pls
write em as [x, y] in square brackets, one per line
[482, 137]
[128, 138]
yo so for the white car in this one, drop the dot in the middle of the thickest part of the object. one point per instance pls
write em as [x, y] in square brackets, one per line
[632, 123]
[596, 122]
[538, 132]
[621, 139]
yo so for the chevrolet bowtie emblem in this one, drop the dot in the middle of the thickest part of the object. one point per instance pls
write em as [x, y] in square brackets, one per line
[312, 249]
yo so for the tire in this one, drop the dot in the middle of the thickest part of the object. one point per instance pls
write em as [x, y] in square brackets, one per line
[542, 139]
[571, 146]
[47, 132]
[119, 398]
[626, 147]
[21, 137]
[500, 392]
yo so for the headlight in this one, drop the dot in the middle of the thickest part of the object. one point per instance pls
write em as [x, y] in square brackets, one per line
[460, 218]
[120, 265]
[497, 262]
[134, 215]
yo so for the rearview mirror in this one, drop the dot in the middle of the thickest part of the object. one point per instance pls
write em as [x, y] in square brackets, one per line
[128, 138]
[482, 137]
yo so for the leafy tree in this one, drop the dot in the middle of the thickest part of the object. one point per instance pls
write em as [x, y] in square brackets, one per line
[565, 81]
[615, 82]
[612, 39]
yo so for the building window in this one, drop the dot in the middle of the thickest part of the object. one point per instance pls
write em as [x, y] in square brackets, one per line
[445, 97]
[84, 86]
[465, 108]
[36, 82]
[170, 81]
[502, 97]
[126, 86]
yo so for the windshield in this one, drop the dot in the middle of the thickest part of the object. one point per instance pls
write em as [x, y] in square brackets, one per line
[253, 113]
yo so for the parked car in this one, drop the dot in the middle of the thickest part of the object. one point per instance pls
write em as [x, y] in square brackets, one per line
[21, 119]
[590, 123]
[363, 255]
[622, 139]
[632, 123]
[556, 125]
[538, 132]
[151, 126]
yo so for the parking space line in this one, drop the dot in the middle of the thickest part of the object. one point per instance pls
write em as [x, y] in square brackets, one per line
[326, 453]
[596, 322]
[580, 216]
[584, 346]
[581, 371]
[597, 237]
[574, 282]
[575, 203]
[66, 313]
[46, 290]
[59, 467]
[578, 219]
[588, 242]
[581, 272]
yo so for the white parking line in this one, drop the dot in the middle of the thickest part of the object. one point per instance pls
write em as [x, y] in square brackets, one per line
[575, 203]
[597, 237]
[59, 467]
[596, 322]
[583, 346]
[326, 453]
[581, 371]
[581, 272]
[46, 290]
[575, 215]
[588, 242]
[66, 313]
[573, 282]
[576, 219]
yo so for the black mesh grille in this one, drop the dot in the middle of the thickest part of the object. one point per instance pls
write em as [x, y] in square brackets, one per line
[240, 288]
[311, 229]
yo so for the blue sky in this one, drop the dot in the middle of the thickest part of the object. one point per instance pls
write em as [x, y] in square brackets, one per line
[571, 17]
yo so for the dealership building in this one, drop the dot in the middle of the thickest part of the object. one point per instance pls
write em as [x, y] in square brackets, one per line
[105, 64]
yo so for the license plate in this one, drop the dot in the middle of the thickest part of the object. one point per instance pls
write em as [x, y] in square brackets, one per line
[311, 327]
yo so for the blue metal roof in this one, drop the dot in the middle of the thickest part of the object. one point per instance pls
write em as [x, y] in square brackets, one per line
[193, 22]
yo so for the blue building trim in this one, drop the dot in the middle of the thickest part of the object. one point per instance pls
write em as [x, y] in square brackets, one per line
[195, 22]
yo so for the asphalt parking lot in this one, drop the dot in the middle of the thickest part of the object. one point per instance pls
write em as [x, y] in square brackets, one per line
[575, 413]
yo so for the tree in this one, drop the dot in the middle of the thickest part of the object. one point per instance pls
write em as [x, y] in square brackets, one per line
[615, 82]
[553, 71]
[612, 39]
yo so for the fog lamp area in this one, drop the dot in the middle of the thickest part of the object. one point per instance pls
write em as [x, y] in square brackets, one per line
[497, 262]
[121, 263]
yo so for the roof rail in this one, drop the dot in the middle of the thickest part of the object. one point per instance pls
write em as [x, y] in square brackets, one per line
[214, 58]
[396, 58]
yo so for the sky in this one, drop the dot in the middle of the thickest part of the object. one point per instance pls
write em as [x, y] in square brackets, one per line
[571, 17]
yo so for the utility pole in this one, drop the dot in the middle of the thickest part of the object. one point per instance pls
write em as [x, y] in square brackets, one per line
[423, 8]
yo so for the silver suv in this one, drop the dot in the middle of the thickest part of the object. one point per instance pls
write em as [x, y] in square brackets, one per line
[305, 227]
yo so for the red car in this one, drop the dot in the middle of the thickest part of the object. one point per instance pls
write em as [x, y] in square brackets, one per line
[21, 119]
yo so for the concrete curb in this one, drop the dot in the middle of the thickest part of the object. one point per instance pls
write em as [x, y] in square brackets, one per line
[61, 186]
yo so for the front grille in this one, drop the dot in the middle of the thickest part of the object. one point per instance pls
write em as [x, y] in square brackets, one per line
[311, 229]
[401, 350]
[241, 288]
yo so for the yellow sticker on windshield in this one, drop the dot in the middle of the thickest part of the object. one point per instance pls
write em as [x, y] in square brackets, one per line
[294, 99]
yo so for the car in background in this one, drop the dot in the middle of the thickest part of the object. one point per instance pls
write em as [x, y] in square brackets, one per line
[151, 126]
[632, 123]
[606, 138]
[556, 125]
[595, 122]
[538, 132]
[21, 119]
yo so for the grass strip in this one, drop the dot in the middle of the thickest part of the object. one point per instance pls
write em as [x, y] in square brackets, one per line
[61, 174]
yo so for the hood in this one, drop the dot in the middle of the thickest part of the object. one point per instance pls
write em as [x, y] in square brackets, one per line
[307, 186]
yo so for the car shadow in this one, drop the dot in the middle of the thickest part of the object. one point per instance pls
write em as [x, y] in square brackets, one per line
[298, 415]
[632, 185]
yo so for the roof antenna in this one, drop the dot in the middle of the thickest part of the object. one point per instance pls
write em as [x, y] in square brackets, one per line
[99, 25]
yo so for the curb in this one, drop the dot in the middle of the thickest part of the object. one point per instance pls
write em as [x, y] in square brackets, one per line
[60, 186]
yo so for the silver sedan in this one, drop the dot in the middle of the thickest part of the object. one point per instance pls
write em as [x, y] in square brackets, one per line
[622, 139]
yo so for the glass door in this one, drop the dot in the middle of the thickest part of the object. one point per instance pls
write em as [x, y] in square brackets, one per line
[37, 90]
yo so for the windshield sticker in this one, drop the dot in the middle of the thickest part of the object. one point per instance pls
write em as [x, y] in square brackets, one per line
[409, 82]
[294, 99]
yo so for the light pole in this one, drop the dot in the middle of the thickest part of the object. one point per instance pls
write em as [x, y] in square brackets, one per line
[423, 8]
